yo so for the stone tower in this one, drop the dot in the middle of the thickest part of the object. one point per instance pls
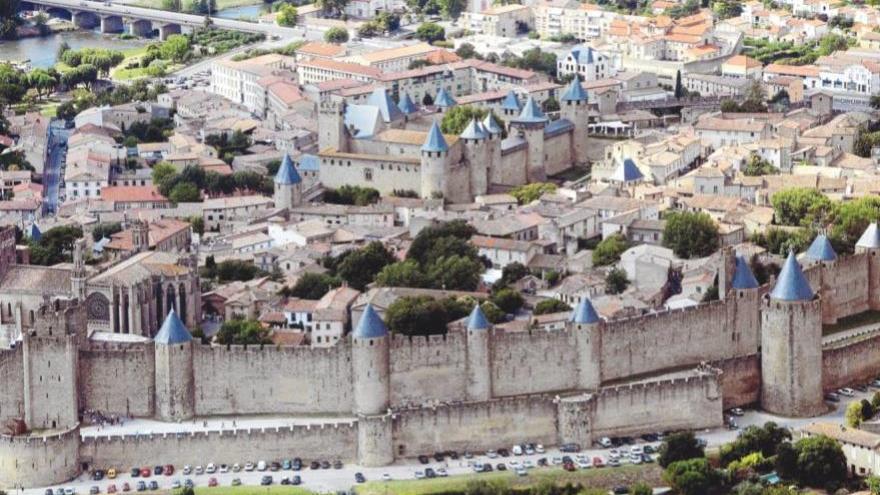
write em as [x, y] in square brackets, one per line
[822, 254]
[477, 153]
[869, 243]
[574, 107]
[288, 185]
[78, 277]
[331, 125]
[443, 101]
[140, 235]
[497, 174]
[510, 106]
[586, 325]
[175, 391]
[407, 106]
[50, 356]
[479, 356]
[744, 295]
[370, 363]
[435, 153]
[791, 346]
[530, 124]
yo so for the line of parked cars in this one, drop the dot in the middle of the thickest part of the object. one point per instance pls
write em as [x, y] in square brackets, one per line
[851, 392]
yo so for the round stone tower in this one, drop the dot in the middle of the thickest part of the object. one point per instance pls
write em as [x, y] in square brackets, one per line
[585, 323]
[370, 364]
[497, 173]
[479, 359]
[869, 243]
[574, 108]
[435, 153]
[372, 389]
[791, 346]
[477, 153]
[175, 392]
[288, 185]
[530, 123]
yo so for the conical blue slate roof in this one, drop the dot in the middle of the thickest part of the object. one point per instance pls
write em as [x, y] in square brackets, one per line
[743, 278]
[380, 99]
[474, 130]
[34, 233]
[443, 99]
[435, 140]
[791, 284]
[821, 250]
[575, 91]
[627, 172]
[287, 173]
[870, 237]
[370, 325]
[477, 320]
[584, 313]
[531, 113]
[491, 125]
[511, 102]
[173, 331]
[406, 105]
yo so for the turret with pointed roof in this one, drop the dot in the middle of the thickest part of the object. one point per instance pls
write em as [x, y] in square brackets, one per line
[575, 92]
[435, 152]
[531, 114]
[479, 370]
[821, 250]
[370, 363]
[511, 105]
[444, 100]
[584, 313]
[288, 185]
[585, 323]
[491, 125]
[434, 140]
[791, 346]
[175, 390]
[474, 131]
[406, 105]
[869, 245]
[743, 278]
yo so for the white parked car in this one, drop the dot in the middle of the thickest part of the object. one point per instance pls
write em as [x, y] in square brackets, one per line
[187, 469]
[636, 449]
[605, 442]
[517, 450]
[491, 454]
[539, 448]
[261, 466]
[249, 466]
[846, 391]
[419, 475]
[584, 463]
[441, 472]
[386, 477]
[211, 468]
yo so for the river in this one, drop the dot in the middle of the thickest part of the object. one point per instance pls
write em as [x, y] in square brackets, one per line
[42, 51]
[245, 12]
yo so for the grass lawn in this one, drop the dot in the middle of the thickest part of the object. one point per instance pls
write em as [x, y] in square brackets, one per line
[49, 109]
[605, 478]
[852, 322]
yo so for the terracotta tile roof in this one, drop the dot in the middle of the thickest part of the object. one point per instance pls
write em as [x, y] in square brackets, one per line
[321, 49]
[131, 194]
[743, 61]
[347, 67]
[792, 70]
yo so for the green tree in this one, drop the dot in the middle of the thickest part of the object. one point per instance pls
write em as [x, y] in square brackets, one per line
[691, 477]
[42, 81]
[853, 414]
[162, 172]
[608, 250]
[616, 281]
[527, 193]
[690, 234]
[360, 267]
[820, 461]
[105, 230]
[641, 488]
[511, 273]
[55, 245]
[230, 270]
[849, 219]
[548, 306]
[508, 300]
[336, 35]
[351, 195]
[458, 117]
[763, 439]
[424, 243]
[185, 192]
[875, 401]
[406, 273]
[430, 32]
[493, 313]
[831, 43]
[175, 47]
[419, 315]
[467, 50]
[680, 447]
[800, 206]
[759, 166]
[679, 89]
[286, 15]
[242, 332]
[873, 483]
[197, 223]
[313, 286]
[456, 273]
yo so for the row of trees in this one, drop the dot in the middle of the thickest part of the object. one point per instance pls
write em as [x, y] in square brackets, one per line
[186, 186]
[102, 59]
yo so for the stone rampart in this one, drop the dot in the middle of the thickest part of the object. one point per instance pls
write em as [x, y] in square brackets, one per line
[39, 460]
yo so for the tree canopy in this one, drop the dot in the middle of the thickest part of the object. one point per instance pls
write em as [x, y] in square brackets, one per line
[616, 281]
[242, 332]
[679, 447]
[759, 166]
[800, 206]
[458, 117]
[55, 245]
[424, 315]
[286, 15]
[336, 35]
[527, 193]
[692, 477]
[312, 286]
[430, 32]
[360, 267]
[548, 306]
[608, 250]
[690, 234]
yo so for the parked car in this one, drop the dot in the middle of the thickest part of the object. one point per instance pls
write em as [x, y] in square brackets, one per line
[236, 482]
[94, 490]
[430, 473]
[262, 466]
[111, 488]
[296, 480]
[598, 462]
[211, 468]
[111, 473]
[337, 464]
[141, 486]
[832, 397]
[175, 484]
[386, 477]
[212, 482]
[570, 447]
[154, 485]
[605, 442]
[846, 392]
[169, 470]
[135, 472]
[126, 487]
[359, 477]
[158, 470]
[424, 459]
[517, 450]
[145, 472]
[266, 480]
[500, 467]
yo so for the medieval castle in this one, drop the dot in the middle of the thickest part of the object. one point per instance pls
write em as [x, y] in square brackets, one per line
[382, 396]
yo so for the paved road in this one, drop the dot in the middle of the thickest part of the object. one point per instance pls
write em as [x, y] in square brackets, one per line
[332, 479]
[52, 172]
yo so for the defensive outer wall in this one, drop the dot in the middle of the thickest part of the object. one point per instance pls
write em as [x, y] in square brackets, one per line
[386, 397]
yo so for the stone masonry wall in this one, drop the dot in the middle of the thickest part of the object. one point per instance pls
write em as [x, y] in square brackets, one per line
[533, 362]
[272, 380]
[850, 361]
[12, 384]
[39, 460]
[424, 369]
[740, 380]
[118, 379]
[310, 442]
[475, 426]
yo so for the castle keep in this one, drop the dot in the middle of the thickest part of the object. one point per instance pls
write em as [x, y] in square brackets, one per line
[381, 396]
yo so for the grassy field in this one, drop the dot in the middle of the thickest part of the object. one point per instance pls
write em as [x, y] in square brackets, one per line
[589, 478]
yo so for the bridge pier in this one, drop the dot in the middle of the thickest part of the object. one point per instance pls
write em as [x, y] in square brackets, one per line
[166, 30]
[140, 27]
[112, 24]
[84, 20]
